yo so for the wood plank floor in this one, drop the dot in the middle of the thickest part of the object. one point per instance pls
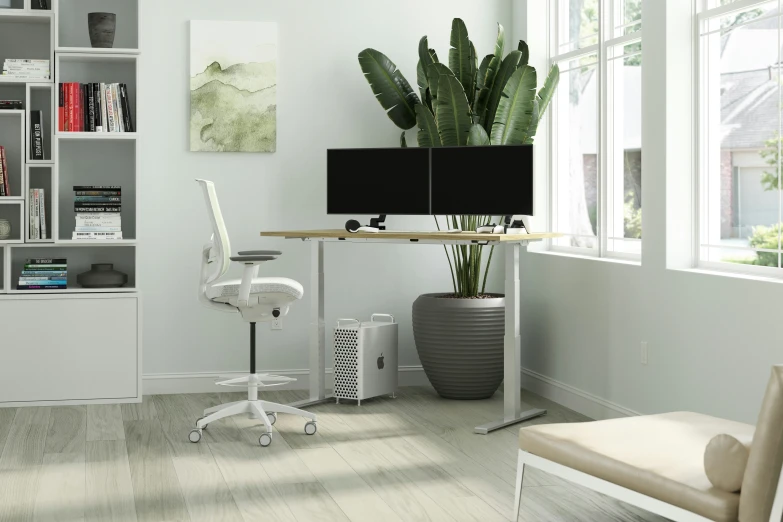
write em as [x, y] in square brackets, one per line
[413, 458]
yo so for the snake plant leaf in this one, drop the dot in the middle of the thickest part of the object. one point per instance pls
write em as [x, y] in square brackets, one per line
[428, 130]
[460, 59]
[390, 87]
[434, 72]
[515, 109]
[478, 136]
[533, 127]
[525, 50]
[403, 141]
[453, 115]
[548, 89]
[505, 72]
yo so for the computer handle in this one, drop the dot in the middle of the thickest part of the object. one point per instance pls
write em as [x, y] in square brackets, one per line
[373, 316]
[348, 319]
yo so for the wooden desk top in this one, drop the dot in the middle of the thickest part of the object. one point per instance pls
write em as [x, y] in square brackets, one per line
[410, 236]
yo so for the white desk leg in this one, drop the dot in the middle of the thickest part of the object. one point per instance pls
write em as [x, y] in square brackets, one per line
[317, 330]
[512, 365]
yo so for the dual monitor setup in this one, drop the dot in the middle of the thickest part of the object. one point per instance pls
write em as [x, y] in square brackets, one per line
[473, 181]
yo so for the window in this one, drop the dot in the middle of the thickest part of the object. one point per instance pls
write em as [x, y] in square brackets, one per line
[597, 127]
[740, 136]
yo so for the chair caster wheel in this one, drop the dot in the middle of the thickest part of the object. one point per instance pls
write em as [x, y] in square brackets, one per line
[195, 435]
[272, 418]
[265, 440]
[311, 428]
[205, 425]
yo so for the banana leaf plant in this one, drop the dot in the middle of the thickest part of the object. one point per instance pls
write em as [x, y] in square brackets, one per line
[464, 103]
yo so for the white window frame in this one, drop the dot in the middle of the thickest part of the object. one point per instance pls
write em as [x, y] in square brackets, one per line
[608, 12]
[706, 109]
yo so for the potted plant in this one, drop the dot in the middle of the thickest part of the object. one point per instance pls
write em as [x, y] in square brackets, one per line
[459, 334]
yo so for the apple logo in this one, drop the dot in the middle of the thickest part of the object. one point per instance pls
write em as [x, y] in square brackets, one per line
[380, 362]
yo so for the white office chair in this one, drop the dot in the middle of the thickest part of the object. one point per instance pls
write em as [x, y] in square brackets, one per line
[258, 299]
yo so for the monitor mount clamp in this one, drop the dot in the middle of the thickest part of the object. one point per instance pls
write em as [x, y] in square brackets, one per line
[515, 226]
[379, 222]
[376, 225]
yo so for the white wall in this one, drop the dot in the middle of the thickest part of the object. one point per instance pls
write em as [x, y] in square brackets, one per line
[323, 102]
[712, 339]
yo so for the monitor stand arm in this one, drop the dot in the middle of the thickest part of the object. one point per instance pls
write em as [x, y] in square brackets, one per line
[378, 222]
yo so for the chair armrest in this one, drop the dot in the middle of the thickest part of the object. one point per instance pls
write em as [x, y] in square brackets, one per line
[261, 253]
[252, 259]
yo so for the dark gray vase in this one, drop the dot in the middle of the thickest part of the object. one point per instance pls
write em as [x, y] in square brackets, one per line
[102, 29]
[102, 275]
[460, 344]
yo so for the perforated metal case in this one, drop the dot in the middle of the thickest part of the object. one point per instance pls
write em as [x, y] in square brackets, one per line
[365, 358]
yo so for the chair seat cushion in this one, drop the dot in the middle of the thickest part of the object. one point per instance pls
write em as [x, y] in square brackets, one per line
[224, 290]
[661, 456]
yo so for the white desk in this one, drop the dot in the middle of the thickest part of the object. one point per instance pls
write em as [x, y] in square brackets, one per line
[512, 386]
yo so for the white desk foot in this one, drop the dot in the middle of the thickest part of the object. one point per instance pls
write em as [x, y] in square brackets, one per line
[496, 425]
[311, 402]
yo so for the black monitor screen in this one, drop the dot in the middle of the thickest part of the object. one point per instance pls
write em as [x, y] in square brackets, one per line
[488, 181]
[378, 181]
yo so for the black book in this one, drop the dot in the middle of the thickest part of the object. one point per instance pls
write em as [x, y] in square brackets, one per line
[85, 108]
[40, 4]
[97, 210]
[11, 105]
[126, 113]
[47, 261]
[99, 193]
[82, 204]
[36, 135]
[90, 108]
[96, 95]
[61, 109]
[96, 187]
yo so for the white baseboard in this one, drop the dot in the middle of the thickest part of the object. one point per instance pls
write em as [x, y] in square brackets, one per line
[573, 398]
[204, 382]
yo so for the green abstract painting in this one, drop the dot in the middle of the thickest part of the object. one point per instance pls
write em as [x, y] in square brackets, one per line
[233, 86]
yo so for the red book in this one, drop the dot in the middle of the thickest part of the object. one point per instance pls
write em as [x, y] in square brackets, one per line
[60, 110]
[6, 185]
[77, 111]
[69, 118]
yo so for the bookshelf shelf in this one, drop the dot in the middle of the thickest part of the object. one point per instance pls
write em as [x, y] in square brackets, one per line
[96, 51]
[14, 81]
[96, 135]
[25, 16]
[74, 291]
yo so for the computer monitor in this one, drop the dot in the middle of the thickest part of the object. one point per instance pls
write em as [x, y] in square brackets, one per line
[484, 181]
[378, 181]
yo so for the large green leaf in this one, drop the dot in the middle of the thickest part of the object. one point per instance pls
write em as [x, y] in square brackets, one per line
[548, 90]
[481, 79]
[500, 43]
[434, 72]
[390, 87]
[478, 136]
[525, 50]
[403, 142]
[470, 88]
[453, 114]
[505, 72]
[515, 109]
[460, 59]
[428, 130]
[532, 128]
[425, 58]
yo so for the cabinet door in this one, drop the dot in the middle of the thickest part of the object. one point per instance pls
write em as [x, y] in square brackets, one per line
[68, 349]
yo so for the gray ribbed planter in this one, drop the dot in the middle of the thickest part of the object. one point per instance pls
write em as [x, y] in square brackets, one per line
[460, 344]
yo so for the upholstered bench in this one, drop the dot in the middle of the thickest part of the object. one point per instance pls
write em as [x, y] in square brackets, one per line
[657, 462]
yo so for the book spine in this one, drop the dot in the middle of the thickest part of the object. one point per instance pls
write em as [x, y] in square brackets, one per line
[69, 119]
[96, 100]
[86, 106]
[98, 210]
[97, 235]
[41, 279]
[31, 215]
[126, 108]
[110, 109]
[98, 193]
[46, 261]
[98, 199]
[26, 60]
[87, 204]
[45, 268]
[98, 229]
[44, 231]
[80, 188]
[4, 160]
[36, 118]
[90, 108]
[79, 110]
[39, 274]
[37, 215]
[115, 89]
[104, 109]
[2, 171]
[42, 287]
[60, 109]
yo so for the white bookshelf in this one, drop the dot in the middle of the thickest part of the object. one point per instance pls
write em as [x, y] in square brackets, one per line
[61, 35]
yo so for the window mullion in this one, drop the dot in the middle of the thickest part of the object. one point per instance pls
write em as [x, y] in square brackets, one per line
[603, 125]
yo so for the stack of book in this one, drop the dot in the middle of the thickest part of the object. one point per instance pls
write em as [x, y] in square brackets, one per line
[5, 188]
[38, 214]
[98, 212]
[26, 70]
[94, 107]
[44, 274]
[11, 105]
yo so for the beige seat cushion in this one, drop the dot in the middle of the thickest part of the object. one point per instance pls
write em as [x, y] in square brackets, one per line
[766, 455]
[225, 290]
[661, 456]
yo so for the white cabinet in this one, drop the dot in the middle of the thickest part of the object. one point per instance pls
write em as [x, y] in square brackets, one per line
[75, 348]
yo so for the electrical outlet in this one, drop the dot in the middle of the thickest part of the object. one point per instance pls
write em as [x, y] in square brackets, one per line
[644, 353]
[277, 324]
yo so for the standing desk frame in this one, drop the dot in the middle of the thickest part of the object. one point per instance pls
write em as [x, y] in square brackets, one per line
[512, 366]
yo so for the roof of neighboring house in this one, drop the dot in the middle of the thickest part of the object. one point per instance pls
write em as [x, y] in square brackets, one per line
[749, 109]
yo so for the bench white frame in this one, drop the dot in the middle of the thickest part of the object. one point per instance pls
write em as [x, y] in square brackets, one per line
[645, 502]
